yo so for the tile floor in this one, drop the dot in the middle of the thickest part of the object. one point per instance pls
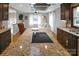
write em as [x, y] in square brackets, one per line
[24, 47]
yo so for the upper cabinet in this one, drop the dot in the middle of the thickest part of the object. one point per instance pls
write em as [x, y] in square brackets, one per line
[4, 10]
[0, 11]
[74, 4]
[66, 11]
[62, 12]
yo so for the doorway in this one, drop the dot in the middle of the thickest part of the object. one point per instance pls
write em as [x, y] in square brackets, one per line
[35, 21]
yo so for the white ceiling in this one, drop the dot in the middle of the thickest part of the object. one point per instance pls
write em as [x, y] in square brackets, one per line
[27, 8]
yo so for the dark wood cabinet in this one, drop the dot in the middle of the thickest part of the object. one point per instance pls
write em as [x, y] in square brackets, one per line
[72, 44]
[62, 12]
[68, 41]
[0, 12]
[4, 11]
[74, 4]
[60, 37]
[66, 11]
[5, 39]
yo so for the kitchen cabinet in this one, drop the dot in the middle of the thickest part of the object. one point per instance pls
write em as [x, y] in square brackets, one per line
[0, 12]
[74, 4]
[62, 12]
[72, 44]
[4, 11]
[5, 39]
[66, 11]
[60, 37]
[68, 41]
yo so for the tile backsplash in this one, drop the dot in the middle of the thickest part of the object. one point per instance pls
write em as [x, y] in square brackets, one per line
[3, 24]
[0, 24]
[68, 23]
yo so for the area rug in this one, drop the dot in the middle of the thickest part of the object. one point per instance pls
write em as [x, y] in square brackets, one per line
[41, 37]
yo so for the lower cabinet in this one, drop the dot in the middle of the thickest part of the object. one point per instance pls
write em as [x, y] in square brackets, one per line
[68, 41]
[61, 38]
[72, 44]
[5, 39]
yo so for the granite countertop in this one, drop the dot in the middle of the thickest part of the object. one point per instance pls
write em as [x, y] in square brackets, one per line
[3, 30]
[71, 30]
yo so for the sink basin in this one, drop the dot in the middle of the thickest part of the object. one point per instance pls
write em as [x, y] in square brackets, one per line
[74, 30]
[77, 33]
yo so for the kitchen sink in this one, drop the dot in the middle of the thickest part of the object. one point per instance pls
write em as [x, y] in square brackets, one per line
[74, 30]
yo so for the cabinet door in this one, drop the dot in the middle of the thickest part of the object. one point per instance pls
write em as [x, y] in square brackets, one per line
[65, 39]
[62, 11]
[59, 36]
[5, 11]
[72, 44]
[74, 4]
[67, 11]
[0, 11]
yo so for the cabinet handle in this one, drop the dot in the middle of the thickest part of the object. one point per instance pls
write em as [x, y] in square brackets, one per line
[66, 42]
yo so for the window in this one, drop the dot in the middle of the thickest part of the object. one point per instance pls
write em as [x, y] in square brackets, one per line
[76, 16]
[31, 20]
[35, 20]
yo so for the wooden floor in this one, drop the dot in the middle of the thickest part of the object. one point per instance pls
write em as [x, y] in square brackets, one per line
[21, 46]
